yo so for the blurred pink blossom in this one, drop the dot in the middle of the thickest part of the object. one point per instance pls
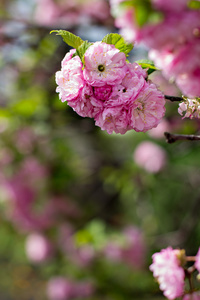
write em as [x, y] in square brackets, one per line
[59, 288]
[113, 251]
[173, 41]
[131, 249]
[192, 296]
[158, 132]
[83, 289]
[135, 249]
[38, 248]
[150, 157]
[70, 13]
[170, 5]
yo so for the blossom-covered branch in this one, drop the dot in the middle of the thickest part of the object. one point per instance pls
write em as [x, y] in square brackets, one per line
[98, 82]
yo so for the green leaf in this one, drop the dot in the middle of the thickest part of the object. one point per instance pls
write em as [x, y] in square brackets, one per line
[194, 4]
[69, 38]
[119, 42]
[147, 64]
[82, 49]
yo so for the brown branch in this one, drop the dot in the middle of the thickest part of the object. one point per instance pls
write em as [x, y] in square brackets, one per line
[173, 98]
[172, 138]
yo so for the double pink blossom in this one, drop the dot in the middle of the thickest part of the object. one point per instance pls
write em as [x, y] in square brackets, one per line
[109, 89]
[170, 275]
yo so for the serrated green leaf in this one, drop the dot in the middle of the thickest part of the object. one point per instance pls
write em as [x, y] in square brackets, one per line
[194, 4]
[147, 64]
[119, 42]
[69, 38]
[82, 49]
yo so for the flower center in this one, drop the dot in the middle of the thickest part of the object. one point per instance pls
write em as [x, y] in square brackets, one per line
[101, 68]
[103, 93]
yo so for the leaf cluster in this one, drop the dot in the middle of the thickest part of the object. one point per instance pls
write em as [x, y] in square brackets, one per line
[81, 46]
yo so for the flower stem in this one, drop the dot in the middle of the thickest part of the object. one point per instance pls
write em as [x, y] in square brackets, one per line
[173, 98]
[171, 138]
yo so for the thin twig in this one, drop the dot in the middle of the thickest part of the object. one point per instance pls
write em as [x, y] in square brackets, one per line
[173, 98]
[171, 138]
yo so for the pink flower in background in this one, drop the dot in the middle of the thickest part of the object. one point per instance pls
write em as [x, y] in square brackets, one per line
[167, 87]
[170, 5]
[135, 249]
[83, 289]
[192, 296]
[38, 248]
[147, 110]
[197, 262]
[150, 157]
[170, 275]
[104, 65]
[113, 251]
[173, 41]
[158, 132]
[71, 13]
[25, 140]
[59, 288]
[130, 249]
[96, 9]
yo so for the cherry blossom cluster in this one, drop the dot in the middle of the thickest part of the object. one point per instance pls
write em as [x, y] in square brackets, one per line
[191, 108]
[104, 86]
[169, 268]
[174, 40]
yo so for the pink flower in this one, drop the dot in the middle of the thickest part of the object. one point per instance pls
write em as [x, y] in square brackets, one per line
[197, 262]
[114, 115]
[170, 275]
[113, 119]
[150, 157]
[163, 36]
[191, 108]
[192, 296]
[104, 65]
[70, 80]
[83, 103]
[38, 248]
[148, 109]
[113, 251]
[59, 288]
[183, 65]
